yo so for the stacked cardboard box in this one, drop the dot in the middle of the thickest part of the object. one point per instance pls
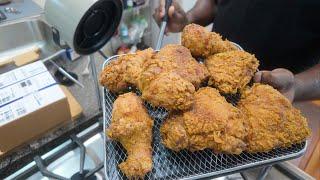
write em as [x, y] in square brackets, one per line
[31, 104]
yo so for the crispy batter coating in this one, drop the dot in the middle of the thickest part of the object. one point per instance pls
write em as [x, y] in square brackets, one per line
[211, 123]
[132, 127]
[170, 91]
[170, 78]
[167, 79]
[203, 43]
[231, 71]
[120, 74]
[272, 121]
[112, 77]
[174, 58]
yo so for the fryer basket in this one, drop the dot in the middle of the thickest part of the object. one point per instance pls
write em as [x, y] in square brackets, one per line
[168, 164]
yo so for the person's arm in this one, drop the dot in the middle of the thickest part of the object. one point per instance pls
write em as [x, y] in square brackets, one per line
[307, 84]
[299, 87]
[202, 13]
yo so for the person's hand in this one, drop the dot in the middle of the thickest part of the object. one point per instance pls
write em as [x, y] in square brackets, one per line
[177, 16]
[281, 79]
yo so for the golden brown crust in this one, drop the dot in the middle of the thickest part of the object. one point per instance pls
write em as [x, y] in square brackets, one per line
[203, 43]
[211, 123]
[231, 71]
[170, 78]
[120, 74]
[167, 79]
[112, 77]
[170, 91]
[132, 127]
[272, 121]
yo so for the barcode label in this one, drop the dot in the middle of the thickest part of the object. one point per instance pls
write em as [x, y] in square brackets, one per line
[26, 83]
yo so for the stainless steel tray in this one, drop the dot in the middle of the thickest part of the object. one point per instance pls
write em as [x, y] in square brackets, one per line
[185, 165]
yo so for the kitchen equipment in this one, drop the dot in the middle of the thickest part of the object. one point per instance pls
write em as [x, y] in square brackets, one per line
[66, 74]
[163, 24]
[2, 2]
[187, 165]
[85, 27]
[19, 37]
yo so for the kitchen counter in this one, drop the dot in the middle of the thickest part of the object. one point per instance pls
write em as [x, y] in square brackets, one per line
[85, 96]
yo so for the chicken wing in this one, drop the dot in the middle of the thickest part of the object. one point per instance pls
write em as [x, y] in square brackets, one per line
[132, 127]
[203, 43]
[231, 71]
[211, 123]
[271, 119]
[120, 74]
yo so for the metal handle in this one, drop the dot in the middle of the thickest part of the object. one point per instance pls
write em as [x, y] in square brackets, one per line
[165, 19]
[66, 74]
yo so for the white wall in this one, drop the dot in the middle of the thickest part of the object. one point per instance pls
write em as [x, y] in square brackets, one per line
[40, 2]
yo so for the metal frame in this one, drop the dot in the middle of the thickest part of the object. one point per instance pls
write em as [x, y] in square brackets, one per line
[41, 163]
[266, 163]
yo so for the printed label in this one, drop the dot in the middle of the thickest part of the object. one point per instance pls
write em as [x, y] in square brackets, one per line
[25, 87]
[30, 103]
[22, 73]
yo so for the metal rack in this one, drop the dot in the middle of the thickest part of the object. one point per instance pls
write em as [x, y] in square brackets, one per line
[186, 165]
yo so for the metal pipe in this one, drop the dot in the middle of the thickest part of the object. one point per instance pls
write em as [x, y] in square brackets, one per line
[60, 69]
[264, 172]
[161, 34]
[94, 74]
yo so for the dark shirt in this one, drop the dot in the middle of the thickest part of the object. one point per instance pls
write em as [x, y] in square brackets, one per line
[281, 33]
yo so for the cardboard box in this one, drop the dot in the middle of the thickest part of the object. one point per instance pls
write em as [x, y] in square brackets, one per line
[29, 107]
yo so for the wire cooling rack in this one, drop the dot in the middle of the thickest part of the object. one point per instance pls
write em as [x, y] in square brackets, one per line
[186, 165]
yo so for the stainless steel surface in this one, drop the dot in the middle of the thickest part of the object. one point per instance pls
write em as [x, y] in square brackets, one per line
[28, 9]
[68, 164]
[264, 172]
[22, 36]
[161, 34]
[94, 74]
[186, 165]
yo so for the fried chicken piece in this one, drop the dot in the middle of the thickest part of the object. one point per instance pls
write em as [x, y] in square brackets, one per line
[272, 121]
[112, 77]
[212, 123]
[203, 43]
[174, 58]
[231, 71]
[170, 91]
[184, 64]
[132, 127]
[120, 74]
[169, 79]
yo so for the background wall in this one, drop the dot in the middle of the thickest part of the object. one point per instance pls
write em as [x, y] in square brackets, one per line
[40, 2]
